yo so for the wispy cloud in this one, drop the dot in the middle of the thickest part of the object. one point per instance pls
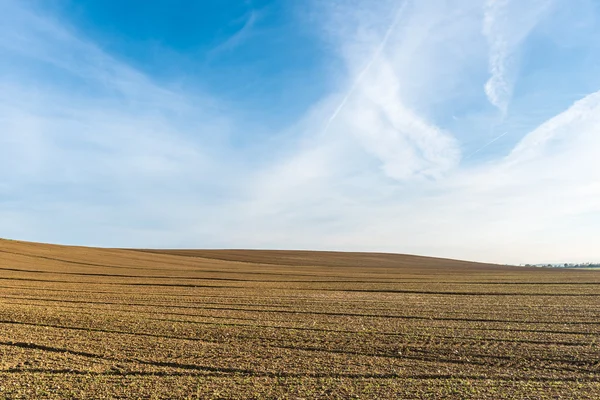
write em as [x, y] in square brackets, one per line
[359, 78]
[80, 130]
[562, 130]
[240, 36]
[506, 24]
[376, 112]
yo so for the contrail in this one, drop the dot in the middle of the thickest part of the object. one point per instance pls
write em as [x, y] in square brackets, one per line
[493, 127]
[486, 145]
[361, 75]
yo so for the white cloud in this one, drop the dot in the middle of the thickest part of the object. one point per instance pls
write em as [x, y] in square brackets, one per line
[388, 50]
[240, 36]
[507, 23]
[406, 144]
[89, 141]
[563, 130]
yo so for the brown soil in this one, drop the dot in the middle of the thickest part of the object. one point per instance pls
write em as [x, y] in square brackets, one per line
[80, 322]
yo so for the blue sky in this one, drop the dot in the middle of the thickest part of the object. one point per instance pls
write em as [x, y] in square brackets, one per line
[461, 128]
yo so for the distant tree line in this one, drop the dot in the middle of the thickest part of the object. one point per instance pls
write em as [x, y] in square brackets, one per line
[584, 265]
[567, 265]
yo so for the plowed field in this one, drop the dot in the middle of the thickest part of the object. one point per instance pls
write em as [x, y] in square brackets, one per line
[107, 323]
